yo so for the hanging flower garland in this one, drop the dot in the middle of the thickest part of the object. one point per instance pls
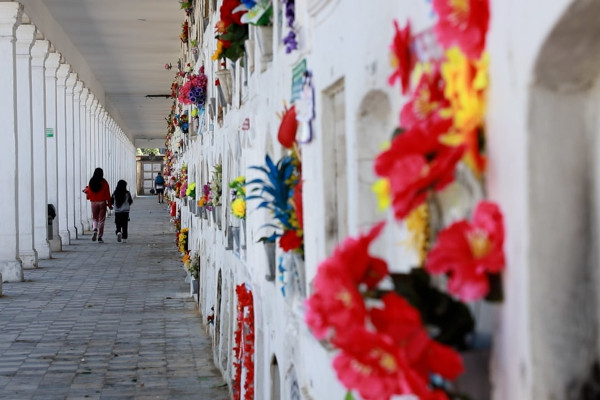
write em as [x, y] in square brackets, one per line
[384, 337]
[243, 351]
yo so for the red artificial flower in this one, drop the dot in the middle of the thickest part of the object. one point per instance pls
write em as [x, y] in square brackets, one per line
[468, 251]
[402, 322]
[403, 58]
[370, 364]
[227, 14]
[336, 304]
[417, 162]
[463, 23]
[352, 258]
[426, 103]
[290, 240]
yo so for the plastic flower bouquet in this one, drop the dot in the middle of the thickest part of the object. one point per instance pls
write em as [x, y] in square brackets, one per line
[191, 190]
[215, 185]
[193, 90]
[259, 13]
[238, 196]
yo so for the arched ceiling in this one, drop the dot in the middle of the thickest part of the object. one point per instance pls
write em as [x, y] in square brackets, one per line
[126, 44]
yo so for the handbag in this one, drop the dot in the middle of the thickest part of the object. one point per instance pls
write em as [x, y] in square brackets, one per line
[152, 191]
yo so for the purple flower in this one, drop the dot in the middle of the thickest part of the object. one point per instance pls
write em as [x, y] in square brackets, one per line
[290, 42]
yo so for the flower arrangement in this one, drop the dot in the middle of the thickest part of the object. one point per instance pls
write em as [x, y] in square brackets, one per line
[182, 240]
[395, 341]
[193, 90]
[185, 31]
[193, 264]
[260, 12]
[191, 190]
[215, 185]
[188, 6]
[231, 33]
[289, 40]
[281, 194]
[238, 197]
[243, 350]
[205, 200]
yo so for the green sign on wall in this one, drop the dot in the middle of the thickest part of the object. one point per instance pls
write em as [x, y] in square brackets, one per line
[49, 132]
[297, 77]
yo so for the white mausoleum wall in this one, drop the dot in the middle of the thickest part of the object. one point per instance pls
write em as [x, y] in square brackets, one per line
[535, 354]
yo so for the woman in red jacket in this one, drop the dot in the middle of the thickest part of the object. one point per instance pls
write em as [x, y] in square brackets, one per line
[98, 193]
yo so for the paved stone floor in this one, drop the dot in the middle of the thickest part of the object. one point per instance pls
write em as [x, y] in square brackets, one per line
[108, 321]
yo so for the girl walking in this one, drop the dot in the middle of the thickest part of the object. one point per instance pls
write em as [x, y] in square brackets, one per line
[122, 200]
[98, 193]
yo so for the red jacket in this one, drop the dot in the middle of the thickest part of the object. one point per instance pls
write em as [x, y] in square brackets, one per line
[102, 195]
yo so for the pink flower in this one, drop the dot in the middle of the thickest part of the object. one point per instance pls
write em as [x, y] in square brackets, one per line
[468, 251]
[463, 23]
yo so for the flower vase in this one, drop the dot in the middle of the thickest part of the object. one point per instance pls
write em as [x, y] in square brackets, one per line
[193, 286]
[185, 201]
[226, 83]
[264, 35]
[243, 232]
[192, 205]
[270, 248]
[216, 213]
[235, 232]
[200, 211]
[249, 45]
[229, 238]
[299, 273]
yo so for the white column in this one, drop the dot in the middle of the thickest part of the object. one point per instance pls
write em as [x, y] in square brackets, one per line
[89, 166]
[70, 187]
[52, 63]
[94, 147]
[76, 158]
[83, 159]
[39, 52]
[10, 266]
[61, 135]
[25, 37]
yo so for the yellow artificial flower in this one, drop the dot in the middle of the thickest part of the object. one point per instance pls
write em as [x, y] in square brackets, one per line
[466, 84]
[201, 202]
[238, 208]
[218, 52]
[383, 191]
[417, 223]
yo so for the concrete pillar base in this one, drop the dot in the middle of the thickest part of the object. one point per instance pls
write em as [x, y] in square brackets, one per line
[55, 244]
[65, 237]
[11, 271]
[43, 250]
[29, 259]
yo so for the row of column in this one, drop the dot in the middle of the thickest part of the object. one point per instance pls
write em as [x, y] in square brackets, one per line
[55, 133]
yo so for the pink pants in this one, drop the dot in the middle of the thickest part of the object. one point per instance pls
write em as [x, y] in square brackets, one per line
[98, 216]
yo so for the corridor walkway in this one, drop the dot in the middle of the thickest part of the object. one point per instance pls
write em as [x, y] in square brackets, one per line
[108, 321]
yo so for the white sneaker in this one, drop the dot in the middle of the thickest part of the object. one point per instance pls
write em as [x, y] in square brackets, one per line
[119, 236]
